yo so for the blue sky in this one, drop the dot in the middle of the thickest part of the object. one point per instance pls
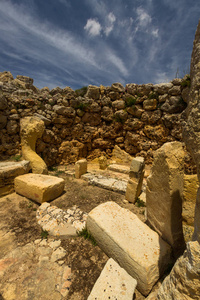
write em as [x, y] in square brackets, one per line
[80, 42]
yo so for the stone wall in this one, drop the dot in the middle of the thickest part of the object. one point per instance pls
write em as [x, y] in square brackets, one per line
[89, 121]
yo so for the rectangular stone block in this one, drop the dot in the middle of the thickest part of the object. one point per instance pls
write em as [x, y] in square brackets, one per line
[80, 168]
[113, 283]
[38, 187]
[130, 242]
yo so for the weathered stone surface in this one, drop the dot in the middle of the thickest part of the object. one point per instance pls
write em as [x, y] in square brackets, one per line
[38, 187]
[162, 88]
[189, 197]
[119, 168]
[103, 162]
[117, 87]
[136, 175]
[8, 171]
[173, 105]
[93, 92]
[118, 104]
[191, 130]
[3, 102]
[184, 279]
[137, 248]
[3, 121]
[121, 155]
[113, 283]
[150, 104]
[32, 128]
[164, 195]
[80, 168]
[6, 76]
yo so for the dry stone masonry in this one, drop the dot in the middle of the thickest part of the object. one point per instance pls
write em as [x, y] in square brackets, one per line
[89, 122]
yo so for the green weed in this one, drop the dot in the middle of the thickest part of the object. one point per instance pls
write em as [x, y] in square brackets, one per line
[84, 233]
[130, 101]
[186, 82]
[82, 91]
[153, 95]
[17, 157]
[44, 234]
[140, 203]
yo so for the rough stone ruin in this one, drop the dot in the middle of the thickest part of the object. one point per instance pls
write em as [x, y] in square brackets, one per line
[145, 121]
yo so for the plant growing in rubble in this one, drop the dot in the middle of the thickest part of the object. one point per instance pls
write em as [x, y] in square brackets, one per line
[84, 233]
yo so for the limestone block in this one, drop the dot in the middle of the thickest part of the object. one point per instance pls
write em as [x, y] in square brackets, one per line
[130, 242]
[136, 175]
[8, 171]
[189, 196]
[119, 168]
[38, 187]
[113, 283]
[121, 155]
[80, 168]
[184, 280]
[103, 163]
[164, 195]
[150, 104]
[32, 128]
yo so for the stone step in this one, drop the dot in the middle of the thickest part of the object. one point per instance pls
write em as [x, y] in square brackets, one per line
[113, 283]
[109, 183]
[119, 168]
[130, 242]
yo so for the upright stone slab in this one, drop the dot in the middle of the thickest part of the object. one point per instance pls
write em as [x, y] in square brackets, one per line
[113, 283]
[136, 175]
[38, 187]
[164, 195]
[32, 128]
[183, 282]
[191, 130]
[80, 168]
[130, 242]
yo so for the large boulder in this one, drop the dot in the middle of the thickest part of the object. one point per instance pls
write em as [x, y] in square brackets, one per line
[164, 195]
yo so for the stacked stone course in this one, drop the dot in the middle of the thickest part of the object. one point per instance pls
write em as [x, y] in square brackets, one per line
[137, 118]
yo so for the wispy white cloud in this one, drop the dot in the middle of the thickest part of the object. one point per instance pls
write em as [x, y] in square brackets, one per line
[110, 23]
[144, 19]
[93, 27]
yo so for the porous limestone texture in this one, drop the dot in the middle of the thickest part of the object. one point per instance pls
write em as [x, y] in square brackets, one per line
[80, 168]
[109, 183]
[39, 187]
[61, 223]
[32, 128]
[103, 162]
[113, 283]
[35, 271]
[164, 195]
[8, 172]
[130, 242]
[136, 175]
[183, 282]
[121, 155]
[191, 185]
[191, 130]
[119, 168]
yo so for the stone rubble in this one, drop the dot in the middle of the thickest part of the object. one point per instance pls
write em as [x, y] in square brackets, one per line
[43, 276]
[61, 223]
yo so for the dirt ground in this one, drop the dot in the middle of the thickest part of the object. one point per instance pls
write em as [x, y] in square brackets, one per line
[19, 227]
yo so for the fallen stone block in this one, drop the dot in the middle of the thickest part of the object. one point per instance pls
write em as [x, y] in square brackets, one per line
[8, 171]
[119, 168]
[102, 162]
[80, 168]
[38, 187]
[113, 283]
[137, 248]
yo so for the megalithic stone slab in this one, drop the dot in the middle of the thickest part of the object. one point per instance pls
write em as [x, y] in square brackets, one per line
[80, 168]
[113, 283]
[164, 195]
[39, 187]
[130, 242]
